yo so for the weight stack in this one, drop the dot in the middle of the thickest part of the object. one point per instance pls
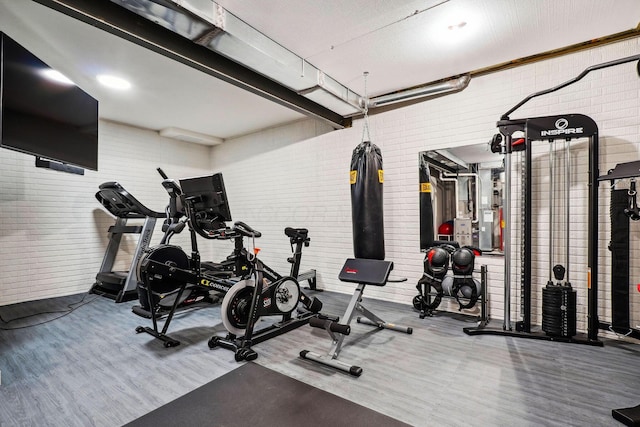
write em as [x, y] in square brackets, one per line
[559, 311]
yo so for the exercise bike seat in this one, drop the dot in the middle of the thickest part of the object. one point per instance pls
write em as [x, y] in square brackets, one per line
[296, 233]
[366, 271]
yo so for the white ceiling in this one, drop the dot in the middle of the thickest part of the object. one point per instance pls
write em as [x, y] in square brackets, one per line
[400, 44]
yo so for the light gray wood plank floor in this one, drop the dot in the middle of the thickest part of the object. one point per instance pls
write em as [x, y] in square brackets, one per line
[90, 368]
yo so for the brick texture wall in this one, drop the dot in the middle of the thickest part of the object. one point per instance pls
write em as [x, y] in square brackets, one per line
[306, 184]
[53, 233]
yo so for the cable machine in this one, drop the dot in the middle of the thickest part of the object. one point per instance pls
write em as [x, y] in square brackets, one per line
[546, 129]
[538, 129]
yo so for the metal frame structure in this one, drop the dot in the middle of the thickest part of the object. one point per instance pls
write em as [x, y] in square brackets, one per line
[483, 300]
[547, 129]
[620, 172]
[363, 272]
[533, 128]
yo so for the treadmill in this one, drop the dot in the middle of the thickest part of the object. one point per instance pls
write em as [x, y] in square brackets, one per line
[121, 286]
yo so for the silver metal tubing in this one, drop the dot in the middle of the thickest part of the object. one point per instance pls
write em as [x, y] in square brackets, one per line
[567, 189]
[506, 214]
[331, 362]
[551, 198]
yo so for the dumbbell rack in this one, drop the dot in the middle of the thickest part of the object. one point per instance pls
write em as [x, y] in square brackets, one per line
[483, 318]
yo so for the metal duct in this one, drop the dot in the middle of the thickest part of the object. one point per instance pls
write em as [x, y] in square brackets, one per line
[208, 24]
[453, 85]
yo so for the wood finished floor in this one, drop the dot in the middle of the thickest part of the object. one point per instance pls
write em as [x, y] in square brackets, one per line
[90, 368]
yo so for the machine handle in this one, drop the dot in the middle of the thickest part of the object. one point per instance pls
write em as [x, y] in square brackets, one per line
[245, 230]
[162, 174]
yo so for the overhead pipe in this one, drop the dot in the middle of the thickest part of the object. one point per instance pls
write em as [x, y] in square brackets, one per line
[453, 85]
[219, 30]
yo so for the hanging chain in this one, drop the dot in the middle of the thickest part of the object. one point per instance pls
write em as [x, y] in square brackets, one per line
[365, 110]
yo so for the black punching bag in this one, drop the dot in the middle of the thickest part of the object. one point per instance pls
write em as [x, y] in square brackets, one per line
[366, 180]
[426, 204]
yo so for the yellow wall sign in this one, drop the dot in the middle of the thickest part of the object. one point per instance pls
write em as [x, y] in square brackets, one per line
[425, 187]
[380, 176]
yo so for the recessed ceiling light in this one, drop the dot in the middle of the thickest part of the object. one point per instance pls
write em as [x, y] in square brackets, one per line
[457, 26]
[113, 82]
[56, 76]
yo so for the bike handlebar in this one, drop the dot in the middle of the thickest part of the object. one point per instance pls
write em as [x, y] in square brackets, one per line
[245, 230]
[162, 174]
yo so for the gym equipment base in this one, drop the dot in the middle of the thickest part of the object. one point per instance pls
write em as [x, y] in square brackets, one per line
[241, 346]
[538, 335]
[166, 339]
[469, 317]
[631, 332]
[117, 294]
[363, 272]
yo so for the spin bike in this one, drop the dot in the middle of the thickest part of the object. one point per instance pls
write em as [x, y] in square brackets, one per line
[264, 292]
[251, 289]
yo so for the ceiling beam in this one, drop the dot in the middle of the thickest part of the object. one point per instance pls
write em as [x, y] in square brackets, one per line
[108, 16]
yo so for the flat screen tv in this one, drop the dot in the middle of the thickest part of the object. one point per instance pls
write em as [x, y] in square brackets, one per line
[49, 119]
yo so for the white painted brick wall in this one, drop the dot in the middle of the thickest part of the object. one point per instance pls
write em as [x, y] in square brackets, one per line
[52, 240]
[305, 184]
[53, 232]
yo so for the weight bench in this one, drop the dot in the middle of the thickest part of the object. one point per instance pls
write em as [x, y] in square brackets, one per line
[363, 272]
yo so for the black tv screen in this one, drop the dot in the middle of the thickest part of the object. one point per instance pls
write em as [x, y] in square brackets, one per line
[39, 116]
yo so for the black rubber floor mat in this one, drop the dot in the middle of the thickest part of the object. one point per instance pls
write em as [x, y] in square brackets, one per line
[628, 416]
[253, 395]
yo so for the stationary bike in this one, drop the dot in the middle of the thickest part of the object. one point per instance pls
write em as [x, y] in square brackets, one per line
[264, 292]
[251, 290]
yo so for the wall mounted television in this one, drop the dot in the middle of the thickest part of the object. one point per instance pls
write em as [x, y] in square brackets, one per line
[54, 121]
